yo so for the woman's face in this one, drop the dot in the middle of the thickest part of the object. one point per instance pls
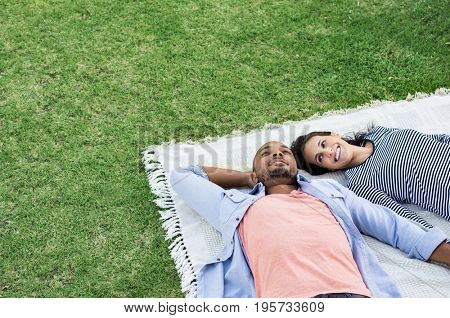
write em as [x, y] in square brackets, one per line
[329, 152]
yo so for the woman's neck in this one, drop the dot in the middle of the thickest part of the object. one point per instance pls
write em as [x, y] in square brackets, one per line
[361, 154]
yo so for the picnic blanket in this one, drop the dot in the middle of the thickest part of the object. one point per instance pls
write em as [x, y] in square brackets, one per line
[194, 242]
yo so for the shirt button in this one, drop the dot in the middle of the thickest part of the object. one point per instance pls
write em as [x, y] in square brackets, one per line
[218, 259]
[332, 195]
[237, 219]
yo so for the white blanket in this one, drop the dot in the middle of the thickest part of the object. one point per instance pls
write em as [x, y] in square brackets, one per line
[194, 242]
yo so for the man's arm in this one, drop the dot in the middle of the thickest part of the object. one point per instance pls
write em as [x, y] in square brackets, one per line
[377, 196]
[199, 194]
[227, 178]
[441, 254]
[385, 225]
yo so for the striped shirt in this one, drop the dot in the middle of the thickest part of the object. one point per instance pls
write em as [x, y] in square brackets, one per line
[406, 166]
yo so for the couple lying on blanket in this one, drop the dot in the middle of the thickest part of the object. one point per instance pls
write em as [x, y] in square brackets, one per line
[294, 237]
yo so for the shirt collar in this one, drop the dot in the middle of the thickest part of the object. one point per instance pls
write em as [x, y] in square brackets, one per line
[302, 178]
[260, 187]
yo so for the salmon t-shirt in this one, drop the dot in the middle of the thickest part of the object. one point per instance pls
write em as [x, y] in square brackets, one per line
[296, 248]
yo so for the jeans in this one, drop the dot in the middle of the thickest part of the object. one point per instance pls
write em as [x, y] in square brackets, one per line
[340, 295]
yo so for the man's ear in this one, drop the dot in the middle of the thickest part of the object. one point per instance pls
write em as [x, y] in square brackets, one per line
[254, 178]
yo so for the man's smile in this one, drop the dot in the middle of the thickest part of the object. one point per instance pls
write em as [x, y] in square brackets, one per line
[278, 162]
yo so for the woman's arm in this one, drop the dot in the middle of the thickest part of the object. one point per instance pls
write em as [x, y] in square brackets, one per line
[227, 178]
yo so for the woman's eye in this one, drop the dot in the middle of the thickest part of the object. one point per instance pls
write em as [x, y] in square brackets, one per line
[320, 158]
[323, 144]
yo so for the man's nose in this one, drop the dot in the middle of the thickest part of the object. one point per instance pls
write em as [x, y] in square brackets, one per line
[275, 154]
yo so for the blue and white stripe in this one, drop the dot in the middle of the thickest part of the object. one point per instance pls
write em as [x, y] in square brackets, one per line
[406, 167]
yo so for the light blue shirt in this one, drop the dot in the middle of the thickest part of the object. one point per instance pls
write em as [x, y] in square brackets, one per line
[228, 274]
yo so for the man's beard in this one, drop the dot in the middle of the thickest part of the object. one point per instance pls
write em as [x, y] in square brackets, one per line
[280, 172]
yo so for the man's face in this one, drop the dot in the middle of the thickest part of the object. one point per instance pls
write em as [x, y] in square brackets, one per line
[275, 164]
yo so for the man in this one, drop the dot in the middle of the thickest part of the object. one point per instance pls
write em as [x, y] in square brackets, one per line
[291, 237]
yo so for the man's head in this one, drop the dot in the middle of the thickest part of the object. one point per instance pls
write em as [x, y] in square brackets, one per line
[274, 164]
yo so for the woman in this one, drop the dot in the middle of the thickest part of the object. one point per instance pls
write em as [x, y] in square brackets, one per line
[385, 166]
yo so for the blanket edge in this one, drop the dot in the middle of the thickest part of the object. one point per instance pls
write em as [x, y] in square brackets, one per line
[443, 91]
[159, 186]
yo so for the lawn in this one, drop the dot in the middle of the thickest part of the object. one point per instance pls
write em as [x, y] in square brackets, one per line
[86, 85]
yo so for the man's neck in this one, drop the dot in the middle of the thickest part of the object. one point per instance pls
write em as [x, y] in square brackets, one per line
[281, 189]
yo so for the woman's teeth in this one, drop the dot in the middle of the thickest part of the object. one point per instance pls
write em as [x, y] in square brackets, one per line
[337, 154]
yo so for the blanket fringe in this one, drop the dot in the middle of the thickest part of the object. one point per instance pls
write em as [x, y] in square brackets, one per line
[171, 222]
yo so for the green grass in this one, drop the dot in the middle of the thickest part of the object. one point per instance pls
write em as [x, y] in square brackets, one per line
[84, 86]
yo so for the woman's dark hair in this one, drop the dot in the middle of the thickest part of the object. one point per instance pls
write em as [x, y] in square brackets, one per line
[298, 149]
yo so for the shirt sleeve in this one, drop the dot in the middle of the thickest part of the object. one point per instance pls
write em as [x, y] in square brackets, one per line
[385, 225]
[441, 138]
[379, 197]
[201, 195]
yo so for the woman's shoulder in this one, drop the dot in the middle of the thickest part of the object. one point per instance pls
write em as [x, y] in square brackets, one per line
[382, 129]
[378, 132]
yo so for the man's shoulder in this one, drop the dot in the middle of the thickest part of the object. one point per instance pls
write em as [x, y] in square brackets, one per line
[325, 182]
[328, 185]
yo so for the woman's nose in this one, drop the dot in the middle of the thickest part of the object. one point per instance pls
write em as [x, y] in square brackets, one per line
[330, 152]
